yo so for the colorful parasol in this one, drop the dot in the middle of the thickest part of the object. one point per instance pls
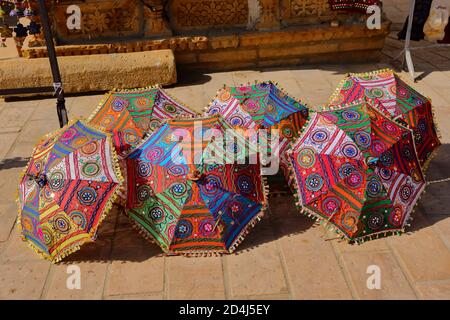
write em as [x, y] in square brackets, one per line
[67, 189]
[262, 105]
[397, 100]
[358, 170]
[187, 200]
[130, 114]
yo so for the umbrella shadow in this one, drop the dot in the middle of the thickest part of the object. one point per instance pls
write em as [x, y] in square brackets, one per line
[16, 162]
[118, 241]
[282, 220]
[434, 204]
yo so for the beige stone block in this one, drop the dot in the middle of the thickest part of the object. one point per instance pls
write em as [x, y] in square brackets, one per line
[436, 290]
[185, 57]
[23, 280]
[195, 278]
[422, 252]
[8, 217]
[18, 251]
[94, 72]
[257, 270]
[312, 267]
[227, 56]
[223, 42]
[394, 284]
[6, 142]
[134, 271]
[298, 50]
[362, 44]
[144, 296]
[92, 278]
[15, 114]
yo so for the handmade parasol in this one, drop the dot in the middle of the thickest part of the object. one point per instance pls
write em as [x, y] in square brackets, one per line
[397, 100]
[185, 198]
[262, 106]
[129, 114]
[67, 189]
[358, 170]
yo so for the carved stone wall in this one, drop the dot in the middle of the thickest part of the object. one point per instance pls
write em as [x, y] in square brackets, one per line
[245, 33]
[100, 19]
[188, 15]
[301, 12]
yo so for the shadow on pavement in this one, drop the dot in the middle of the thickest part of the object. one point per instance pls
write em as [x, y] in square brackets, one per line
[17, 162]
[118, 241]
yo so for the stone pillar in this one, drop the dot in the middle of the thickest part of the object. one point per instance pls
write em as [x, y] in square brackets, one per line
[156, 23]
[269, 18]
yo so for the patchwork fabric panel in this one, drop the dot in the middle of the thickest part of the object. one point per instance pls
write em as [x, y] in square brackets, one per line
[186, 202]
[351, 167]
[67, 189]
[397, 100]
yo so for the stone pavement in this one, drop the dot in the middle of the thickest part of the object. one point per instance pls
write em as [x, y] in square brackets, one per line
[286, 256]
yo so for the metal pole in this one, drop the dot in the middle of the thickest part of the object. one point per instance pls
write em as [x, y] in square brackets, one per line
[57, 83]
[408, 57]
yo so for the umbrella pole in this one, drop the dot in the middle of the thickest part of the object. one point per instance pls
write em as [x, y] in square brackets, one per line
[57, 83]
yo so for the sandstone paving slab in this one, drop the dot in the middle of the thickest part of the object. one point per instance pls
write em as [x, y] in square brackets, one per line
[134, 271]
[9, 182]
[8, 217]
[144, 296]
[441, 224]
[61, 286]
[6, 142]
[130, 238]
[422, 253]
[281, 296]
[394, 284]
[16, 114]
[313, 270]
[216, 82]
[17, 250]
[258, 269]
[35, 130]
[375, 245]
[191, 96]
[84, 106]
[194, 278]
[23, 280]
[434, 290]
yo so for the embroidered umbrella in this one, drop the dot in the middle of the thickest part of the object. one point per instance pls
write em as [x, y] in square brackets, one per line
[358, 170]
[67, 189]
[184, 197]
[130, 114]
[262, 106]
[397, 100]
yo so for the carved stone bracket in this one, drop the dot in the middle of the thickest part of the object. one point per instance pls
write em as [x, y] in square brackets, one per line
[156, 23]
[269, 18]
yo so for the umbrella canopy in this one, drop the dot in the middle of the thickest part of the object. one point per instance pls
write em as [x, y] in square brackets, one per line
[263, 106]
[184, 198]
[397, 100]
[357, 169]
[129, 114]
[67, 189]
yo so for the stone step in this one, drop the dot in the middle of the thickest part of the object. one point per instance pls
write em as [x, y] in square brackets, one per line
[99, 72]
